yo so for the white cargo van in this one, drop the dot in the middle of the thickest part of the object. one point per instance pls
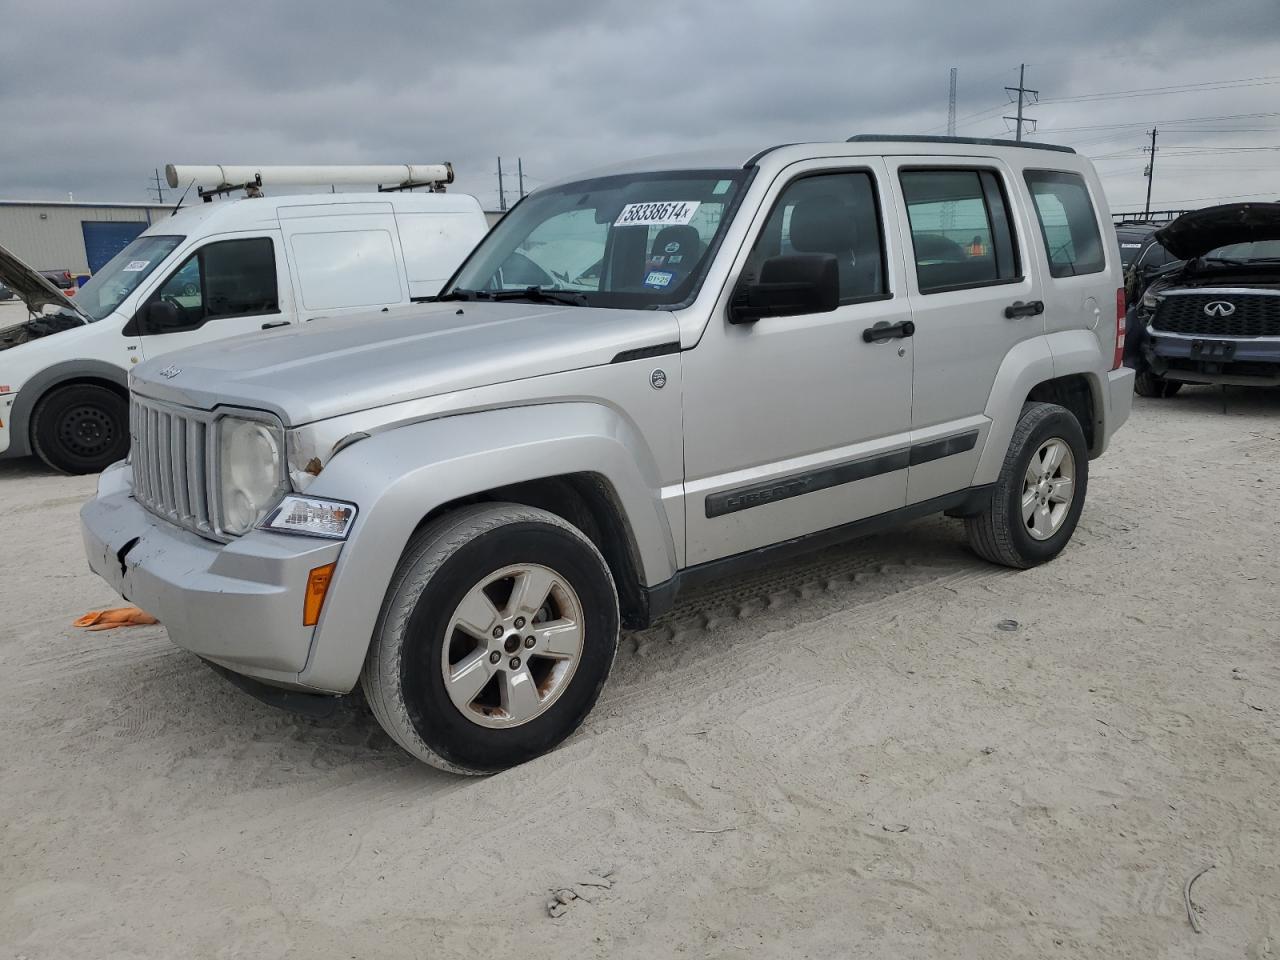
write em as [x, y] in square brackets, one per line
[212, 270]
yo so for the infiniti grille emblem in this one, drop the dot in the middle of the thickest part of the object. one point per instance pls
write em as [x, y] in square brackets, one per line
[1219, 308]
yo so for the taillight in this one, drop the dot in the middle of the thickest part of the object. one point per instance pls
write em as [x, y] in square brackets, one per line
[1118, 360]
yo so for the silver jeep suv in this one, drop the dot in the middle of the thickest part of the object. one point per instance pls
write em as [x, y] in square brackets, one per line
[642, 378]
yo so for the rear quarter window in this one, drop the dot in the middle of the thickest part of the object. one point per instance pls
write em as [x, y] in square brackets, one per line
[1068, 222]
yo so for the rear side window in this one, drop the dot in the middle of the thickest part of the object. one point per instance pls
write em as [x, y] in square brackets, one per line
[961, 229]
[348, 268]
[1068, 223]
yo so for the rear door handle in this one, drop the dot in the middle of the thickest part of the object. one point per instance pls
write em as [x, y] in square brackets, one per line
[884, 330]
[275, 323]
[1032, 308]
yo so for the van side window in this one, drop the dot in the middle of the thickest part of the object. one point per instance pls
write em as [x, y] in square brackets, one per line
[1068, 223]
[229, 278]
[961, 229]
[832, 213]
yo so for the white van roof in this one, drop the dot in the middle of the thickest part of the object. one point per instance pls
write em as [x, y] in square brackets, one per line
[250, 213]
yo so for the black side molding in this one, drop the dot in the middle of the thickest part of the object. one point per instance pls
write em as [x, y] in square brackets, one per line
[946, 447]
[641, 353]
[770, 491]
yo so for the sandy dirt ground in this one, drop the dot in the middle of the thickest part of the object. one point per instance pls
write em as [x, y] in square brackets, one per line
[845, 756]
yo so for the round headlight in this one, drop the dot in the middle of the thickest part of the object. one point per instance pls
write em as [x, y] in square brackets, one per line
[251, 471]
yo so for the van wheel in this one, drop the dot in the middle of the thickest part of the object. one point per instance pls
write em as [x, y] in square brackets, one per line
[1147, 384]
[1040, 492]
[81, 428]
[496, 636]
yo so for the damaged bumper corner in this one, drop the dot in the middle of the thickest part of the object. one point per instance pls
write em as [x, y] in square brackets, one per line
[238, 605]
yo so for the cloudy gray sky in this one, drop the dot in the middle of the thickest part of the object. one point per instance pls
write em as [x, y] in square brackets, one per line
[94, 95]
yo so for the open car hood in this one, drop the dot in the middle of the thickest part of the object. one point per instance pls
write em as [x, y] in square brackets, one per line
[1195, 234]
[33, 289]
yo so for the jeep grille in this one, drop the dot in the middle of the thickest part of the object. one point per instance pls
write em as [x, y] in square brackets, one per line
[173, 460]
[1256, 315]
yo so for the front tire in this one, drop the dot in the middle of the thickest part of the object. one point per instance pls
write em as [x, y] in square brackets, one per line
[81, 428]
[497, 634]
[1148, 384]
[1039, 494]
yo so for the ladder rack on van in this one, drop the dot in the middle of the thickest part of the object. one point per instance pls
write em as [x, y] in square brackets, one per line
[214, 180]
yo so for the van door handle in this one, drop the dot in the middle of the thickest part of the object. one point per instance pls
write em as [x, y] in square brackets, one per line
[271, 325]
[884, 330]
[1017, 309]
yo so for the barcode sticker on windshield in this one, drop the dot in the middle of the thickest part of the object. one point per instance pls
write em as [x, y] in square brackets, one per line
[136, 265]
[674, 213]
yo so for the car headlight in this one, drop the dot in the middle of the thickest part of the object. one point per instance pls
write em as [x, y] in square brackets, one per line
[311, 517]
[1150, 300]
[251, 472]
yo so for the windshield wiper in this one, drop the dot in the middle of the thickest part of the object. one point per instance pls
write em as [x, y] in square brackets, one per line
[535, 294]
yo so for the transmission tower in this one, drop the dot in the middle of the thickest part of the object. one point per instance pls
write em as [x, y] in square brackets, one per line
[951, 105]
[1023, 93]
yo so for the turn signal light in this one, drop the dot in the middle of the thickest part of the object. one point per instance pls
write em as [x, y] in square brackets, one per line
[317, 586]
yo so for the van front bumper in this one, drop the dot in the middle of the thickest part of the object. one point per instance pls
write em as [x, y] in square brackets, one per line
[238, 604]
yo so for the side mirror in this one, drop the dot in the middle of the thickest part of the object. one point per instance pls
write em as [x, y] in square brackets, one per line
[162, 316]
[788, 286]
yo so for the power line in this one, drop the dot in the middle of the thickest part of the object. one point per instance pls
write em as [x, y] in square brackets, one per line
[1169, 89]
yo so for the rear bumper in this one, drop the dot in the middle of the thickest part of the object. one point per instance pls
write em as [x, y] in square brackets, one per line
[238, 605]
[1119, 386]
[1256, 360]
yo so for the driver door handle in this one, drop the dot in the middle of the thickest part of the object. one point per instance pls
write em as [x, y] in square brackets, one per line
[889, 331]
[272, 324]
[1018, 309]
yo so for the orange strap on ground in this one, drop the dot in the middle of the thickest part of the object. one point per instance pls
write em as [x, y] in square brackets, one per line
[117, 617]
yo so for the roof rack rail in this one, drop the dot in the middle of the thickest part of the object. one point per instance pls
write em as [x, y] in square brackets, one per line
[980, 141]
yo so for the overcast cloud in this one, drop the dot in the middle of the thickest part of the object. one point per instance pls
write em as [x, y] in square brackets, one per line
[94, 96]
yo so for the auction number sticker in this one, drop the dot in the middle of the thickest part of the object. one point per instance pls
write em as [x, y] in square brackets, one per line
[672, 213]
[134, 266]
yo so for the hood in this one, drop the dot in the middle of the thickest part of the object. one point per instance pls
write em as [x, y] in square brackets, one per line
[35, 290]
[1195, 234]
[332, 366]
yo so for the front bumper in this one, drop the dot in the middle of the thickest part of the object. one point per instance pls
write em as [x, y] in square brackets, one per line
[1255, 361]
[6, 420]
[238, 605]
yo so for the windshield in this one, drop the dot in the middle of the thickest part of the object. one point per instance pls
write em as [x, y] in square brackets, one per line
[1254, 250]
[637, 240]
[121, 275]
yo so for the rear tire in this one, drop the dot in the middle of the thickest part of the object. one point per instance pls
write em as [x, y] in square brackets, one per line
[1039, 494]
[1147, 384]
[81, 428]
[477, 697]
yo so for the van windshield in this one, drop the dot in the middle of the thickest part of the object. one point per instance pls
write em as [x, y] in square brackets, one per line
[631, 241]
[121, 275]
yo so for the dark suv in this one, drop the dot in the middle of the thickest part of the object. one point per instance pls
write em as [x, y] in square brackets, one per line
[1214, 318]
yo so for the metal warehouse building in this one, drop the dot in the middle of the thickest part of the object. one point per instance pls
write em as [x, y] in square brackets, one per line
[73, 236]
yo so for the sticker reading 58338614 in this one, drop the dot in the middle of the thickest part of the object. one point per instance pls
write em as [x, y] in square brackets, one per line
[667, 213]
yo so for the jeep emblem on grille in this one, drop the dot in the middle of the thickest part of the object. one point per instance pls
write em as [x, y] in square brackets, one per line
[1219, 308]
[172, 371]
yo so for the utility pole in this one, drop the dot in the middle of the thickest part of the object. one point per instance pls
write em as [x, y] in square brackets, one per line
[158, 188]
[951, 105]
[502, 195]
[1022, 92]
[520, 170]
[1150, 172]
